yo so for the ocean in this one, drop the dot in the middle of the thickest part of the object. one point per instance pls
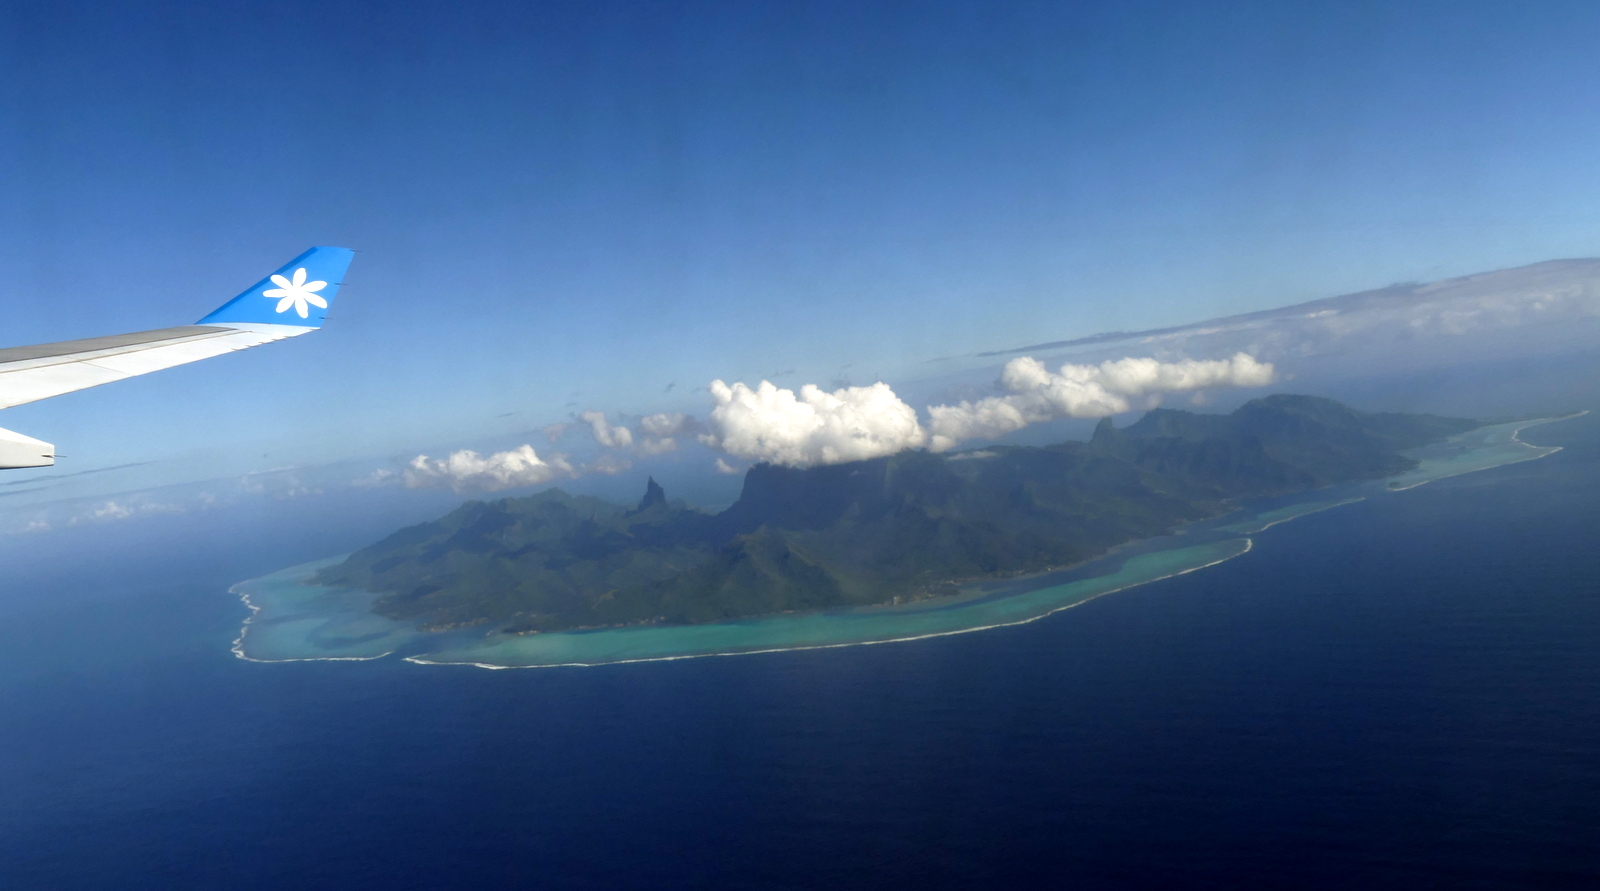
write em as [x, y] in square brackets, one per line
[1399, 692]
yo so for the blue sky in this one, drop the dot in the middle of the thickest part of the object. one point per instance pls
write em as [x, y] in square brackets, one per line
[571, 207]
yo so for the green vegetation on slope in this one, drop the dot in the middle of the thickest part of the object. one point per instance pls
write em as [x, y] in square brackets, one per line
[907, 526]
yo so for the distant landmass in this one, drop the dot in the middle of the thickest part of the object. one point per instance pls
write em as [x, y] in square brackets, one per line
[907, 527]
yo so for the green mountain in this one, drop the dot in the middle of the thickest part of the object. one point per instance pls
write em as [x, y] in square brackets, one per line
[909, 526]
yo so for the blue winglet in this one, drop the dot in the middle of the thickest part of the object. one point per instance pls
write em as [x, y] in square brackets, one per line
[297, 294]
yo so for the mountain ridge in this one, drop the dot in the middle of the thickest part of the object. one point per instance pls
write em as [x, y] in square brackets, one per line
[907, 526]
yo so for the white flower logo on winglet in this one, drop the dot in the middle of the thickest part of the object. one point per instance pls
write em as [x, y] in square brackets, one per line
[296, 293]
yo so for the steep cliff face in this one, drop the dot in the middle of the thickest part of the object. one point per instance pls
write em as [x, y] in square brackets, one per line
[910, 525]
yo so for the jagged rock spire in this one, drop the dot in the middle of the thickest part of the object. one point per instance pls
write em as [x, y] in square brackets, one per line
[653, 495]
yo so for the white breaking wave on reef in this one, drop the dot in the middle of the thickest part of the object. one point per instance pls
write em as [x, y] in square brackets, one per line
[1515, 439]
[1481, 449]
[238, 643]
[1248, 544]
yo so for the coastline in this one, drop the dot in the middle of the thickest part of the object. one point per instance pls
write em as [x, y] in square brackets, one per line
[842, 628]
[1248, 544]
[1513, 432]
[244, 629]
[293, 622]
[308, 623]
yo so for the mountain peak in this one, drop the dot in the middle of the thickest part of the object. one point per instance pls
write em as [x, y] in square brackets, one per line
[653, 495]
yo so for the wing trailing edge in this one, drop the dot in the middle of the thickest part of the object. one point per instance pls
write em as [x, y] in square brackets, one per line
[291, 301]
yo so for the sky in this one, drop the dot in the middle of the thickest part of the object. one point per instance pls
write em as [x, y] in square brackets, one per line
[563, 208]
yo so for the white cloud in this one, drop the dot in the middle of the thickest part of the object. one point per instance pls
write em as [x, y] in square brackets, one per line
[115, 510]
[468, 471]
[669, 424]
[612, 437]
[660, 432]
[657, 433]
[724, 467]
[774, 425]
[1084, 391]
[110, 511]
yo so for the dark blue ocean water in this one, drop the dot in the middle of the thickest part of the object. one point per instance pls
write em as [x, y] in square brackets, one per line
[1400, 693]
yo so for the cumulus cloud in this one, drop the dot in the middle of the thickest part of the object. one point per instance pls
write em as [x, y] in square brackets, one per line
[612, 437]
[669, 424]
[656, 434]
[812, 427]
[114, 510]
[467, 471]
[1037, 394]
[661, 432]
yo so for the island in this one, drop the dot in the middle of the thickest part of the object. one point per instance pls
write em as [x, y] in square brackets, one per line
[892, 530]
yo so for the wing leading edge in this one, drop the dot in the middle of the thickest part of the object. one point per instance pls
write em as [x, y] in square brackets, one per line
[292, 301]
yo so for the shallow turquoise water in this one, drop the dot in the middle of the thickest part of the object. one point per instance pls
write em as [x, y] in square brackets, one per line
[1474, 450]
[829, 629]
[291, 620]
[295, 621]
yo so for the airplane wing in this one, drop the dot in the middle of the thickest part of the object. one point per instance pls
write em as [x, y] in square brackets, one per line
[289, 302]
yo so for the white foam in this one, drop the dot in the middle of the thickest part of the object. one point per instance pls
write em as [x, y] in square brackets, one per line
[1248, 544]
[244, 629]
[1516, 437]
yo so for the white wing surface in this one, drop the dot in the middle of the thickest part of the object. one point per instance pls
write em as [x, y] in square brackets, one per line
[31, 373]
[299, 292]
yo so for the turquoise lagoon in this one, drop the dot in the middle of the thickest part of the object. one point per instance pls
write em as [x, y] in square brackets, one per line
[293, 621]
[1480, 449]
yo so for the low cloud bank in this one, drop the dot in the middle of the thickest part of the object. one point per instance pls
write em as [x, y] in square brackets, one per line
[1553, 307]
[467, 471]
[810, 428]
[1084, 391]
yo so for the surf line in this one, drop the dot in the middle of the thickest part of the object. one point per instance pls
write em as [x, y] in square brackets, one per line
[1249, 543]
[1516, 437]
[244, 628]
[1315, 510]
